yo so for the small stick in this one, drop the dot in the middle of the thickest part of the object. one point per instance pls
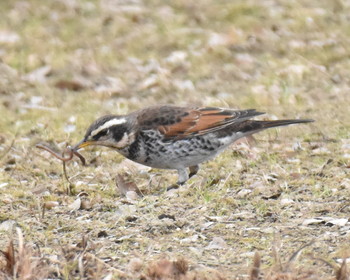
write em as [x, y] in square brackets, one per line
[8, 149]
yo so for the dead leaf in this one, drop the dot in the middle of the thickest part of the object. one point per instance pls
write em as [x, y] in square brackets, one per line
[69, 85]
[125, 186]
[8, 37]
[272, 196]
[38, 75]
[75, 205]
[149, 82]
[10, 258]
[166, 216]
[135, 265]
[85, 204]
[216, 243]
[193, 238]
[7, 225]
[50, 204]
[286, 201]
[131, 196]
[326, 221]
[110, 85]
[243, 193]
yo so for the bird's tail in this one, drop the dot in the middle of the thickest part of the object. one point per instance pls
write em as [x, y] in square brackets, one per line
[269, 124]
[252, 126]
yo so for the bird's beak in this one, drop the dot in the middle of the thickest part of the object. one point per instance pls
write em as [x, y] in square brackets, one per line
[82, 144]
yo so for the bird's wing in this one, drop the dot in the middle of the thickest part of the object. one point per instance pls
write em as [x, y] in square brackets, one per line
[183, 122]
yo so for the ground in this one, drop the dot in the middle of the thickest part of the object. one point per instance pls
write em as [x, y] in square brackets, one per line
[64, 63]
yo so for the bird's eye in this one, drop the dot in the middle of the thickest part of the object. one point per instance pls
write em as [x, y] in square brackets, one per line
[101, 134]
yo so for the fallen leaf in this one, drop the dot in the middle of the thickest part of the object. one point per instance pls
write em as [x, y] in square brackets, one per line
[337, 222]
[7, 225]
[69, 85]
[135, 265]
[85, 204]
[38, 75]
[149, 82]
[125, 186]
[312, 221]
[50, 204]
[190, 239]
[132, 196]
[286, 201]
[272, 196]
[243, 193]
[75, 205]
[8, 37]
[125, 237]
[102, 233]
[218, 40]
[166, 216]
[326, 221]
[110, 85]
[108, 276]
[216, 243]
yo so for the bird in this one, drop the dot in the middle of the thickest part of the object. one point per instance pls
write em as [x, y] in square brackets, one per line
[174, 137]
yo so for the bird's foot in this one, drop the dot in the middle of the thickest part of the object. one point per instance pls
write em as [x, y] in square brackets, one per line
[175, 186]
[193, 170]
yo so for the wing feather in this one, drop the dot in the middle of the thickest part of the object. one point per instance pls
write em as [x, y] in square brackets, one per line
[182, 122]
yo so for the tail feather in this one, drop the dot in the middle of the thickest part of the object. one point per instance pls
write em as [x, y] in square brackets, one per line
[250, 127]
[268, 124]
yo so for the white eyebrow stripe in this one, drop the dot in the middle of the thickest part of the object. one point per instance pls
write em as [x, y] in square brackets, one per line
[108, 124]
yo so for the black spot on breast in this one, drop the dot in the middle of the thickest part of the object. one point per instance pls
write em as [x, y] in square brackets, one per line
[134, 149]
[144, 136]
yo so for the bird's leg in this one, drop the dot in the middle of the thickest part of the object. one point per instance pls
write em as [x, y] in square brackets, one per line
[193, 170]
[183, 177]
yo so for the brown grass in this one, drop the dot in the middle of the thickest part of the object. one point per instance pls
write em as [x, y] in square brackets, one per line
[24, 262]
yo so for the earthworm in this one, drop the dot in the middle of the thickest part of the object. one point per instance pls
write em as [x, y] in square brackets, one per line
[71, 152]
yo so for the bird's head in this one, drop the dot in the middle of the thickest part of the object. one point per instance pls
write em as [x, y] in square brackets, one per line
[110, 131]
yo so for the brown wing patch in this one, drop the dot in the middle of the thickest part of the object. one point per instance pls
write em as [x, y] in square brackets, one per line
[198, 121]
[181, 122]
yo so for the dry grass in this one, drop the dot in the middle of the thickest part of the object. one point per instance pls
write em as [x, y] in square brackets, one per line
[83, 263]
[64, 63]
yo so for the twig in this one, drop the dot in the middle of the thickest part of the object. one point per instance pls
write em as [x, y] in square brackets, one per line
[296, 254]
[8, 149]
[120, 272]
